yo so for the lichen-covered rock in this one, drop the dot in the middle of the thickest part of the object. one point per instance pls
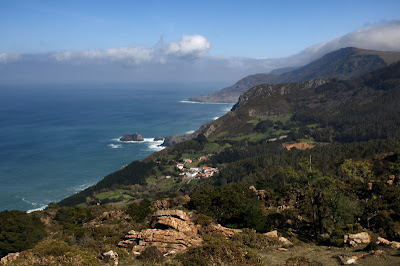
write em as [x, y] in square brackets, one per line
[228, 232]
[356, 239]
[272, 234]
[10, 257]
[111, 256]
[172, 232]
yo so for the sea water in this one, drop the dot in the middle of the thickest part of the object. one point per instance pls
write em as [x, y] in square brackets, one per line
[58, 140]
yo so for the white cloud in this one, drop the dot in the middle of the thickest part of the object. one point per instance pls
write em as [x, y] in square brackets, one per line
[382, 37]
[188, 46]
[6, 58]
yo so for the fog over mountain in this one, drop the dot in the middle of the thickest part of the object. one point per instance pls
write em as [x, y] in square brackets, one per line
[185, 60]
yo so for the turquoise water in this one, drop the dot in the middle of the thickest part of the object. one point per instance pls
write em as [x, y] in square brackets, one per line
[57, 140]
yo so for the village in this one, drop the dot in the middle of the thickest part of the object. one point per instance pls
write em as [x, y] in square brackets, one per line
[194, 172]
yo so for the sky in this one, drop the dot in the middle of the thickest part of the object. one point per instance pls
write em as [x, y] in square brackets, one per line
[172, 39]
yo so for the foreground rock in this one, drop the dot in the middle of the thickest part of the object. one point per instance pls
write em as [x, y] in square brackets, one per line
[111, 257]
[357, 239]
[9, 258]
[172, 231]
[132, 137]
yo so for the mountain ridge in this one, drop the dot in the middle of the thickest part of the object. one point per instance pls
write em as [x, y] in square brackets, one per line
[345, 63]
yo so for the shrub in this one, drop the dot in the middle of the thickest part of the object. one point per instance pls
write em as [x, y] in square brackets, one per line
[19, 231]
[139, 211]
[219, 251]
[152, 254]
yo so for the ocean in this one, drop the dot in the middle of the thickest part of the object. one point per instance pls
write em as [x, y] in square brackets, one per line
[58, 140]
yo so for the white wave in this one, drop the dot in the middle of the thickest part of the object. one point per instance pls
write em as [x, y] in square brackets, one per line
[190, 132]
[187, 101]
[215, 118]
[156, 147]
[81, 187]
[37, 209]
[115, 146]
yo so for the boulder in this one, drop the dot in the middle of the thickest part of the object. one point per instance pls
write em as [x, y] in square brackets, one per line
[111, 256]
[285, 242]
[10, 257]
[272, 234]
[132, 137]
[356, 239]
[228, 232]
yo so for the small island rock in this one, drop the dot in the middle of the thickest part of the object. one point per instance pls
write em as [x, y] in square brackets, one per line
[158, 139]
[132, 137]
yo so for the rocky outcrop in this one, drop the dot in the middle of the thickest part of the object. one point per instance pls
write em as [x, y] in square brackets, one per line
[171, 140]
[357, 239]
[347, 260]
[172, 232]
[158, 139]
[132, 137]
[385, 242]
[111, 257]
[228, 232]
[9, 258]
[262, 195]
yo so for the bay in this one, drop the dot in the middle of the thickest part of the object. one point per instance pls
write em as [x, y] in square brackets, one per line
[57, 140]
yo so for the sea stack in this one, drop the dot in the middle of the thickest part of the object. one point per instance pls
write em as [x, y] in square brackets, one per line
[132, 137]
[158, 139]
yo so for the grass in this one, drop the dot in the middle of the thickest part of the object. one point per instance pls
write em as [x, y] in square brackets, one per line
[307, 140]
[326, 255]
[112, 194]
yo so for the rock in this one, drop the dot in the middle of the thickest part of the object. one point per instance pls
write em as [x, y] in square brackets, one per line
[272, 234]
[161, 205]
[228, 232]
[167, 241]
[158, 139]
[285, 242]
[175, 219]
[282, 249]
[10, 257]
[171, 140]
[111, 256]
[356, 239]
[382, 241]
[260, 193]
[172, 232]
[395, 244]
[132, 137]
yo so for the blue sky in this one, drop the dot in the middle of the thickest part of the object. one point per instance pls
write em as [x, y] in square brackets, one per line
[182, 41]
[256, 29]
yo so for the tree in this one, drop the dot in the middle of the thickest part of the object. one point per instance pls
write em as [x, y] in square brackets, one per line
[19, 231]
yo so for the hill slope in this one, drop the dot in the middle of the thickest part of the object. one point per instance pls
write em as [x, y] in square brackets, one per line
[343, 64]
[339, 104]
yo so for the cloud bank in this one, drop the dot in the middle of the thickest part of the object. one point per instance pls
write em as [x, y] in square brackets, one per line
[190, 46]
[382, 37]
[184, 60]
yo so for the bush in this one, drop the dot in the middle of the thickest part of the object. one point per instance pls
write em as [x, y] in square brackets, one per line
[253, 239]
[139, 211]
[152, 254]
[19, 231]
[219, 251]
